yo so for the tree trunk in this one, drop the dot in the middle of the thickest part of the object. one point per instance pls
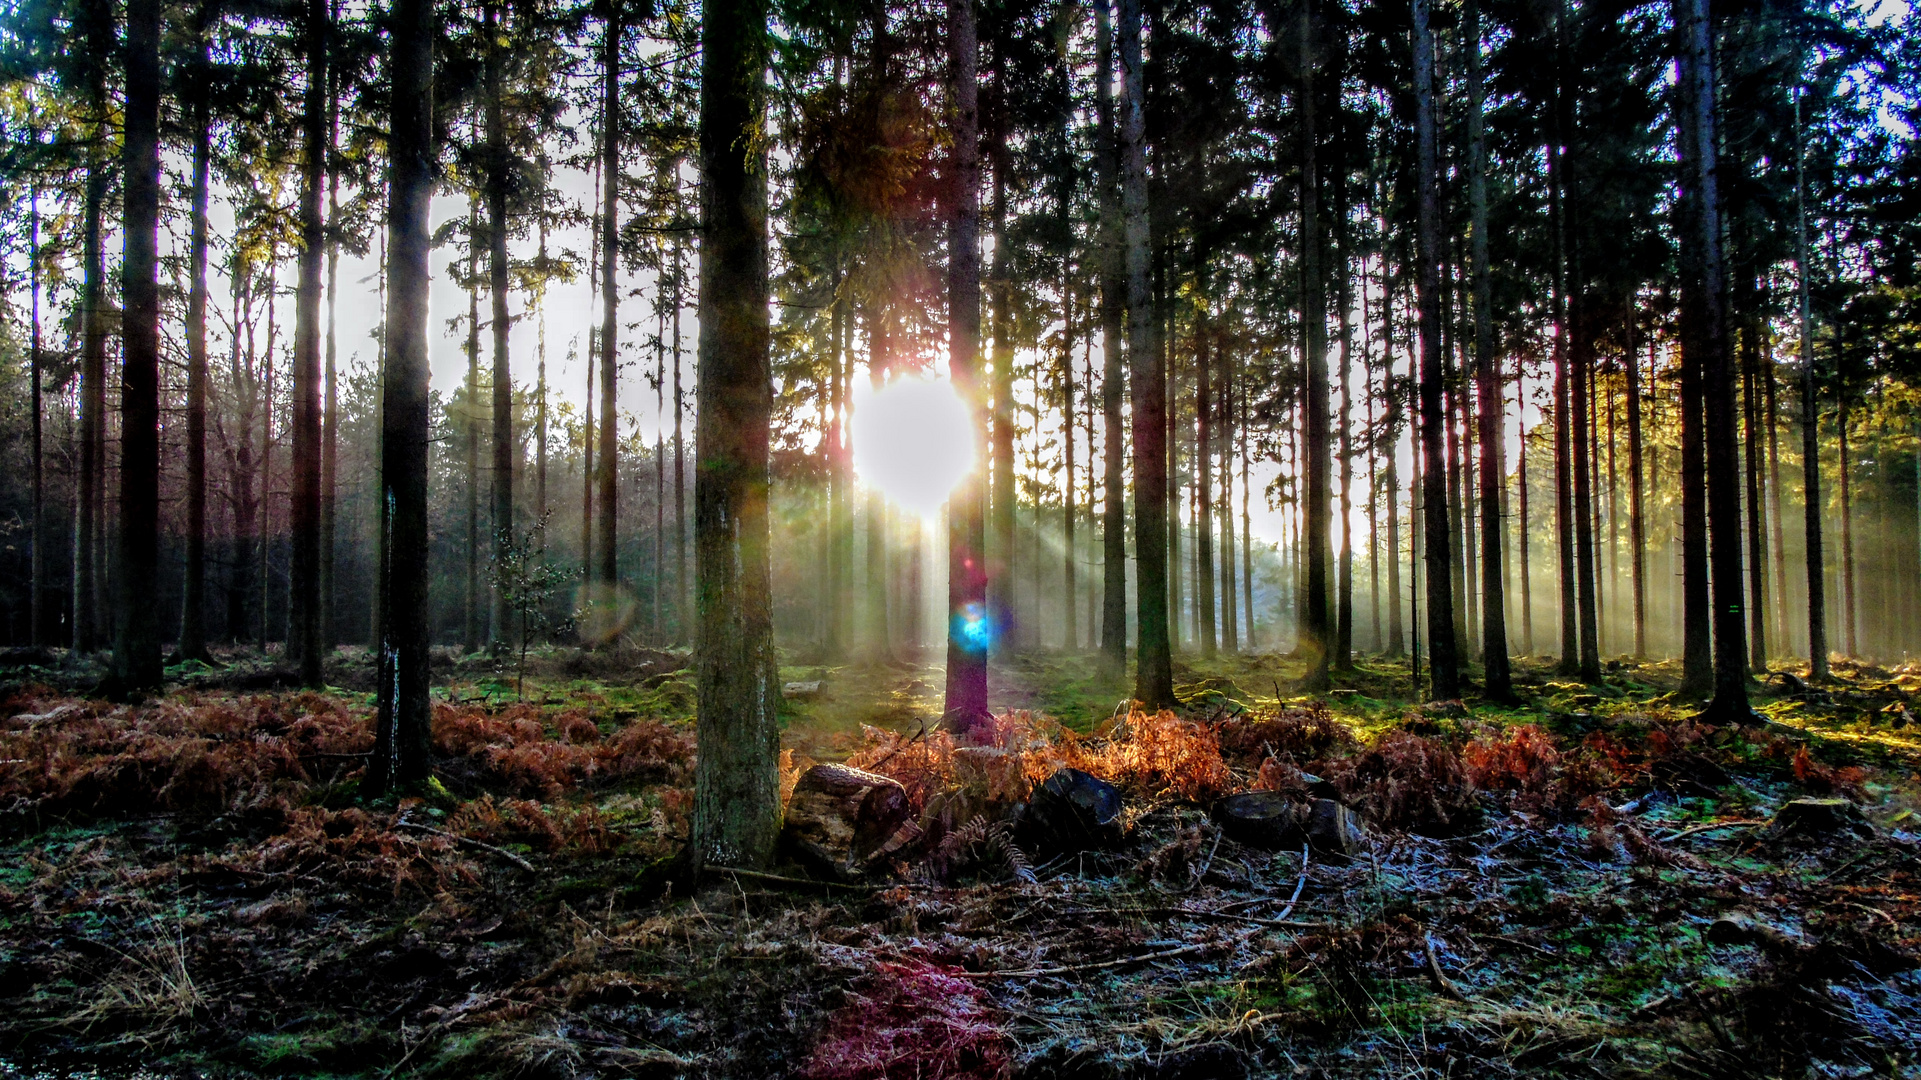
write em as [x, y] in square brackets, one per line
[136, 640]
[1850, 641]
[1564, 447]
[1487, 372]
[682, 619]
[1343, 652]
[1756, 504]
[1444, 666]
[303, 638]
[193, 603]
[607, 460]
[736, 780]
[1637, 524]
[498, 172]
[1154, 669]
[330, 408]
[400, 756]
[1719, 438]
[1581, 350]
[93, 403]
[1113, 373]
[1204, 411]
[1001, 560]
[1070, 590]
[35, 362]
[1317, 636]
[470, 419]
[968, 629]
[1391, 482]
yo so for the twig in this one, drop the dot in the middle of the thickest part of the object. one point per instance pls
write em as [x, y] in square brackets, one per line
[1200, 913]
[1031, 973]
[480, 845]
[1672, 837]
[756, 875]
[1298, 886]
[1206, 864]
[1442, 984]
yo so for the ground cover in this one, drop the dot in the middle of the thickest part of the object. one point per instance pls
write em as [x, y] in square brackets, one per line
[1587, 883]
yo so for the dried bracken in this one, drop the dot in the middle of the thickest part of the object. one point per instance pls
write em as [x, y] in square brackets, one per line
[912, 1020]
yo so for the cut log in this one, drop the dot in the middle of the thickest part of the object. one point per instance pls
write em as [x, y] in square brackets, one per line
[1274, 821]
[1072, 811]
[1821, 819]
[842, 819]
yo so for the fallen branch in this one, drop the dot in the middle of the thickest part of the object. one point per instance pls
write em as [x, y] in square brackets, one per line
[1200, 913]
[1070, 969]
[1298, 886]
[756, 875]
[1672, 837]
[1443, 985]
[479, 845]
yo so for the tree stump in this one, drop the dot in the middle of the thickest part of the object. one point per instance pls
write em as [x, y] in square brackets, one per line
[843, 819]
[1821, 819]
[1072, 811]
[1274, 821]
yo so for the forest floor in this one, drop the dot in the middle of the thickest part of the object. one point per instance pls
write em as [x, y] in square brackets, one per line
[1590, 882]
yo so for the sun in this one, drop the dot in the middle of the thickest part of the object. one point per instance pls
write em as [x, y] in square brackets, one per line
[913, 441]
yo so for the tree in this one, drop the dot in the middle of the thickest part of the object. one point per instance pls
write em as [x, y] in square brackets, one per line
[136, 639]
[1113, 285]
[1444, 670]
[969, 630]
[304, 586]
[736, 783]
[1487, 381]
[498, 178]
[400, 756]
[1147, 383]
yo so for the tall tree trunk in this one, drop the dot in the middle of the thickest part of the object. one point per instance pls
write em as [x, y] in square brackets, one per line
[193, 604]
[303, 612]
[1637, 524]
[1488, 382]
[1070, 589]
[736, 780]
[1756, 501]
[1317, 636]
[470, 418]
[1113, 334]
[1391, 482]
[400, 755]
[136, 639]
[968, 629]
[93, 403]
[1581, 350]
[1777, 543]
[1001, 587]
[1154, 668]
[1850, 623]
[35, 363]
[1343, 652]
[1231, 630]
[1204, 412]
[1718, 420]
[682, 614]
[1445, 682]
[498, 172]
[330, 407]
[1564, 446]
[878, 645]
[607, 460]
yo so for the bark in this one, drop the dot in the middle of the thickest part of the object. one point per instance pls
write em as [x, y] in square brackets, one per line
[607, 461]
[965, 702]
[1113, 373]
[1637, 523]
[330, 407]
[1442, 661]
[1070, 590]
[1581, 350]
[1755, 503]
[1564, 447]
[1317, 636]
[1154, 671]
[35, 362]
[498, 171]
[1718, 421]
[1343, 652]
[682, 619]
[303, 610]
[193, 606]
[136, 644]
[1499, 684]
[400, 756]
[1001, 560]
[1204, 411]
[736, 780]
[93, 403]
[471, 417]
[1231, 633]
[1850, 639]
[1396, 633]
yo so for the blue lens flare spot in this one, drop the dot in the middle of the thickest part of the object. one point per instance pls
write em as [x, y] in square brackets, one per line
[972, 628]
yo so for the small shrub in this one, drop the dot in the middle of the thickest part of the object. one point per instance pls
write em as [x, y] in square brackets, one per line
[1521, 760]
[1299, 735]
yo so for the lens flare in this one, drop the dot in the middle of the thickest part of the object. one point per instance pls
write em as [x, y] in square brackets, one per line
[972, 628]
[913, 441]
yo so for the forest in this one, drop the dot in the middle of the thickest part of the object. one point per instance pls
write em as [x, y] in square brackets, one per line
[971, 539]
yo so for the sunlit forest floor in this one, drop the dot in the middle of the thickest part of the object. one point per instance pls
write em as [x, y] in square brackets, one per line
[1588, 883]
